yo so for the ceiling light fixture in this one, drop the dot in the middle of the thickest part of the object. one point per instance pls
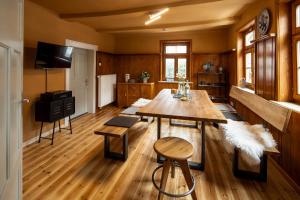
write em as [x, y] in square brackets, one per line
[155, 16]
[152, 20]
[159, 13]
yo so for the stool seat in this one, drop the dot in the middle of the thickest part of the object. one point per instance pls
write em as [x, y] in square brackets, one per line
[174, 148]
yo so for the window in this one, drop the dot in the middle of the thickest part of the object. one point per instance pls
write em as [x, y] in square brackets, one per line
[298, 67]
[297, 16]
[249, 57]
[296, 50]
[175, 59]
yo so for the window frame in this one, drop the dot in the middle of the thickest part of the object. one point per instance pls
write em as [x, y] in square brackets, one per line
[176, 56]
[295, 39]
[249, 49]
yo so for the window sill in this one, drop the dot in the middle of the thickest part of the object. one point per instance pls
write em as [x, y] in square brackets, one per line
[292, 106]
[171, 82]
[247, 90]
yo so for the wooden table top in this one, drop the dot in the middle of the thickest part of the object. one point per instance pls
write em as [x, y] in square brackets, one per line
[199, 108]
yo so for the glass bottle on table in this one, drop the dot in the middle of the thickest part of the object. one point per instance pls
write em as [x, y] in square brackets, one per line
[187, 89]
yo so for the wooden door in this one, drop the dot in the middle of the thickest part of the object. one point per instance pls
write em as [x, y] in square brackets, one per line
[79, 80]
[122, 95]
[11, 84]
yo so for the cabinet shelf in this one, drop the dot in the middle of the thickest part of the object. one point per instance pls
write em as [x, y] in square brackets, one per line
[212, 85]
[215, 83]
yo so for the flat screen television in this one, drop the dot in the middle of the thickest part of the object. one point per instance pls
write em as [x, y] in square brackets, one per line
[53, 56]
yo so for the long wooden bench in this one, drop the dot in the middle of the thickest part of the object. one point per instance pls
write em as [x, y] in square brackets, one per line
[272, 114]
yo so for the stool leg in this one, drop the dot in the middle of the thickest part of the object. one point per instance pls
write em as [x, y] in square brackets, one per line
[173, 170]
[164, 177]
[188, 177]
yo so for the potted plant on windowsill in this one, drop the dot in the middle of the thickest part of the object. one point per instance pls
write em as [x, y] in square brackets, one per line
[145, 76]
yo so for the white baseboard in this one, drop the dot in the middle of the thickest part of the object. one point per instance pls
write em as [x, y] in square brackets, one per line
[44, 134]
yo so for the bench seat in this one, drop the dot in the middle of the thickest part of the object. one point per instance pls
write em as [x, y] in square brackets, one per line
[116, 127]
[112, 131]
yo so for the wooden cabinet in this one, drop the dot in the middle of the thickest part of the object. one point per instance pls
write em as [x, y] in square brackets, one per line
[128, 93]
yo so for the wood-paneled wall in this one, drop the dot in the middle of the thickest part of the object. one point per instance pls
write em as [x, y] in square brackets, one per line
[105, 63]
[135, 64]
[265, 83]
[288, 143]
[198, 60]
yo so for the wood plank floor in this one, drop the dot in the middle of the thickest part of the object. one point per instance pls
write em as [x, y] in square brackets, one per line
[74, 167]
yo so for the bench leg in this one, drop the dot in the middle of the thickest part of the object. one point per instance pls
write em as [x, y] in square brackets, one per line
[106, 146]
[113, 155]
[261, 176]
[125, 147]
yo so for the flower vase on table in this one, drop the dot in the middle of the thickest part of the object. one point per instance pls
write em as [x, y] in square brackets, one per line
[181, 88]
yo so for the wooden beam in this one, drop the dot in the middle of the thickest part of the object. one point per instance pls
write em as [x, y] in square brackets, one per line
[134, 10]
[231, 20]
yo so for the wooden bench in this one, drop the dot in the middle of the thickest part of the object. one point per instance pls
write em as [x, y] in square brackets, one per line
[116, 127]
[116, 132]
[271, 113]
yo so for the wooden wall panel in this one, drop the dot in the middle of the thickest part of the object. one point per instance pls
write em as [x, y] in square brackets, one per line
[107, 67]
[284, 52]
[270, 68]
[259, 70]
[135, 64]
[218, 60]
[288, 143]
[107, 63]
[232, 69]
[265, 83]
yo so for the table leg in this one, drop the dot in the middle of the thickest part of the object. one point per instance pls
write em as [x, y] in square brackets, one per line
[159, 160]
[200, 166]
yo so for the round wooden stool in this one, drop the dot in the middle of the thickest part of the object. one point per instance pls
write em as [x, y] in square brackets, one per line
[176, 151]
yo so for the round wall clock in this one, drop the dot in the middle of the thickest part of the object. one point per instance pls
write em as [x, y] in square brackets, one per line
[264, 21]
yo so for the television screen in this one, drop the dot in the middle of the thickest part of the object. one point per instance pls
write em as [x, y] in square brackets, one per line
[53, 56]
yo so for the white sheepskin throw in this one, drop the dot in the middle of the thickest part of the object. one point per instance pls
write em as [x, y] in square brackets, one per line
[141, 102]
[250, 139]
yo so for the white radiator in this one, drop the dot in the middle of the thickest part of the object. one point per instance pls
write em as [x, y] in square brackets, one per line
[106, 89]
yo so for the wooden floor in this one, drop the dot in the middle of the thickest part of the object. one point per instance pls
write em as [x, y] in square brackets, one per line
[74, 167]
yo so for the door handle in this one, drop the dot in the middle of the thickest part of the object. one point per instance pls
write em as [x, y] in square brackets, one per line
[26, 100]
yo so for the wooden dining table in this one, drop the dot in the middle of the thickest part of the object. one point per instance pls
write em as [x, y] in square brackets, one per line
[199, 108]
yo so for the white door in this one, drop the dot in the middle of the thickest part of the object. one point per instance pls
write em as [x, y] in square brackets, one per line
[79, 80]
[11, 84]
